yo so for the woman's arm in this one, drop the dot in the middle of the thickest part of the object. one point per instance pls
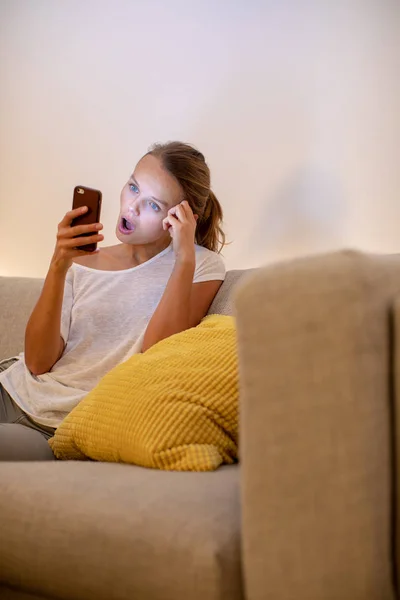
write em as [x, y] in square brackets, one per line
[43, 342]
[182, 305]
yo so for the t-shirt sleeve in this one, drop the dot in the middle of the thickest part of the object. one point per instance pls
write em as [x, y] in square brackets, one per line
[209, 266]
[68, 300]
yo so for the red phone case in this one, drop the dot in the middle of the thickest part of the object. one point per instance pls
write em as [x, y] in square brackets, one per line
[85, 196]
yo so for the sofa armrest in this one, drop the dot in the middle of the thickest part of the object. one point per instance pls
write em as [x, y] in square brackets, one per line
[315, 432]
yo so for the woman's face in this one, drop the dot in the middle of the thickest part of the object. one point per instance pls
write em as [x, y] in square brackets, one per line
[145, 200]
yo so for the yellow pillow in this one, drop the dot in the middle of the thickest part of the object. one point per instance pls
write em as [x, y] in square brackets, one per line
[174, 407]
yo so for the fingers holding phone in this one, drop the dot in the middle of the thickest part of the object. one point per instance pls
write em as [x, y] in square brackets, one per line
[78, 232]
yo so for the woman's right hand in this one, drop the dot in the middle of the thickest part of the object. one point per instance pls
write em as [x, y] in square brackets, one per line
[67, 242]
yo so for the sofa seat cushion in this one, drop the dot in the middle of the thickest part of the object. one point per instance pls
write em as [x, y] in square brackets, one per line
[92, 530]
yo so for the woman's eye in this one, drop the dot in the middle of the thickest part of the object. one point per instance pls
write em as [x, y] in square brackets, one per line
[134, 188]
[154, 206]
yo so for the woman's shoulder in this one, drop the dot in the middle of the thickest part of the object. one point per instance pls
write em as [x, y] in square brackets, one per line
[87, 260]
[209, 264]
[106, 259]
[203, 253]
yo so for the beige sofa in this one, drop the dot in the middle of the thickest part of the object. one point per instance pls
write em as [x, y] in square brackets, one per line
[309, 514]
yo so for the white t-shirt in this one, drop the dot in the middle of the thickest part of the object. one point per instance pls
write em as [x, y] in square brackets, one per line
[104, 318]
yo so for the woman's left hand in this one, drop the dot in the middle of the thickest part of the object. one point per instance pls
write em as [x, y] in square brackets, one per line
[181, 223]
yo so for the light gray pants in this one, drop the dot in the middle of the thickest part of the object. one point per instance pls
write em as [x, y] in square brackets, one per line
[20, 437]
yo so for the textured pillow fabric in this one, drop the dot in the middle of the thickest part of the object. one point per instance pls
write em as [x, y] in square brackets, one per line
[174, 407]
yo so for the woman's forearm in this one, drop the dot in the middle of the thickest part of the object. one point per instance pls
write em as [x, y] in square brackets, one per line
[173, 311]
[43, 342]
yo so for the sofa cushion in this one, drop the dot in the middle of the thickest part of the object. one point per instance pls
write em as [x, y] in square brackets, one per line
[174, 407]
[90, 530]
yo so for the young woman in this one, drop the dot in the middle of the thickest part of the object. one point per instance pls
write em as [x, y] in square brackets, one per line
[98, 309]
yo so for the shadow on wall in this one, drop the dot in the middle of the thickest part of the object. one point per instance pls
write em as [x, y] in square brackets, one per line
[306, 214]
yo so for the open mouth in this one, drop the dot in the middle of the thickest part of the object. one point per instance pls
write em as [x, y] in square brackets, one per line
[126, 226]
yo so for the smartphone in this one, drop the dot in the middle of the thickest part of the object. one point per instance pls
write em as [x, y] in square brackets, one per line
[85, 196]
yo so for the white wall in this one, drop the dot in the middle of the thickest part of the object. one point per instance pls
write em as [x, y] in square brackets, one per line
[295, 105]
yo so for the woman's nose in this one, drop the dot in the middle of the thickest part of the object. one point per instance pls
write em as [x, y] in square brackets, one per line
[133, 208]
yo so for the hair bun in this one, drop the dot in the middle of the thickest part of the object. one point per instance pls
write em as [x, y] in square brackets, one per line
[198, 154]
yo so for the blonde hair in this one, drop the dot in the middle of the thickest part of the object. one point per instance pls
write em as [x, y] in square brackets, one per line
[190, 169]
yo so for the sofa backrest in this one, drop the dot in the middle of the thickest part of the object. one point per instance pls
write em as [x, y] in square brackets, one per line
[223, 301]
[18, 296]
